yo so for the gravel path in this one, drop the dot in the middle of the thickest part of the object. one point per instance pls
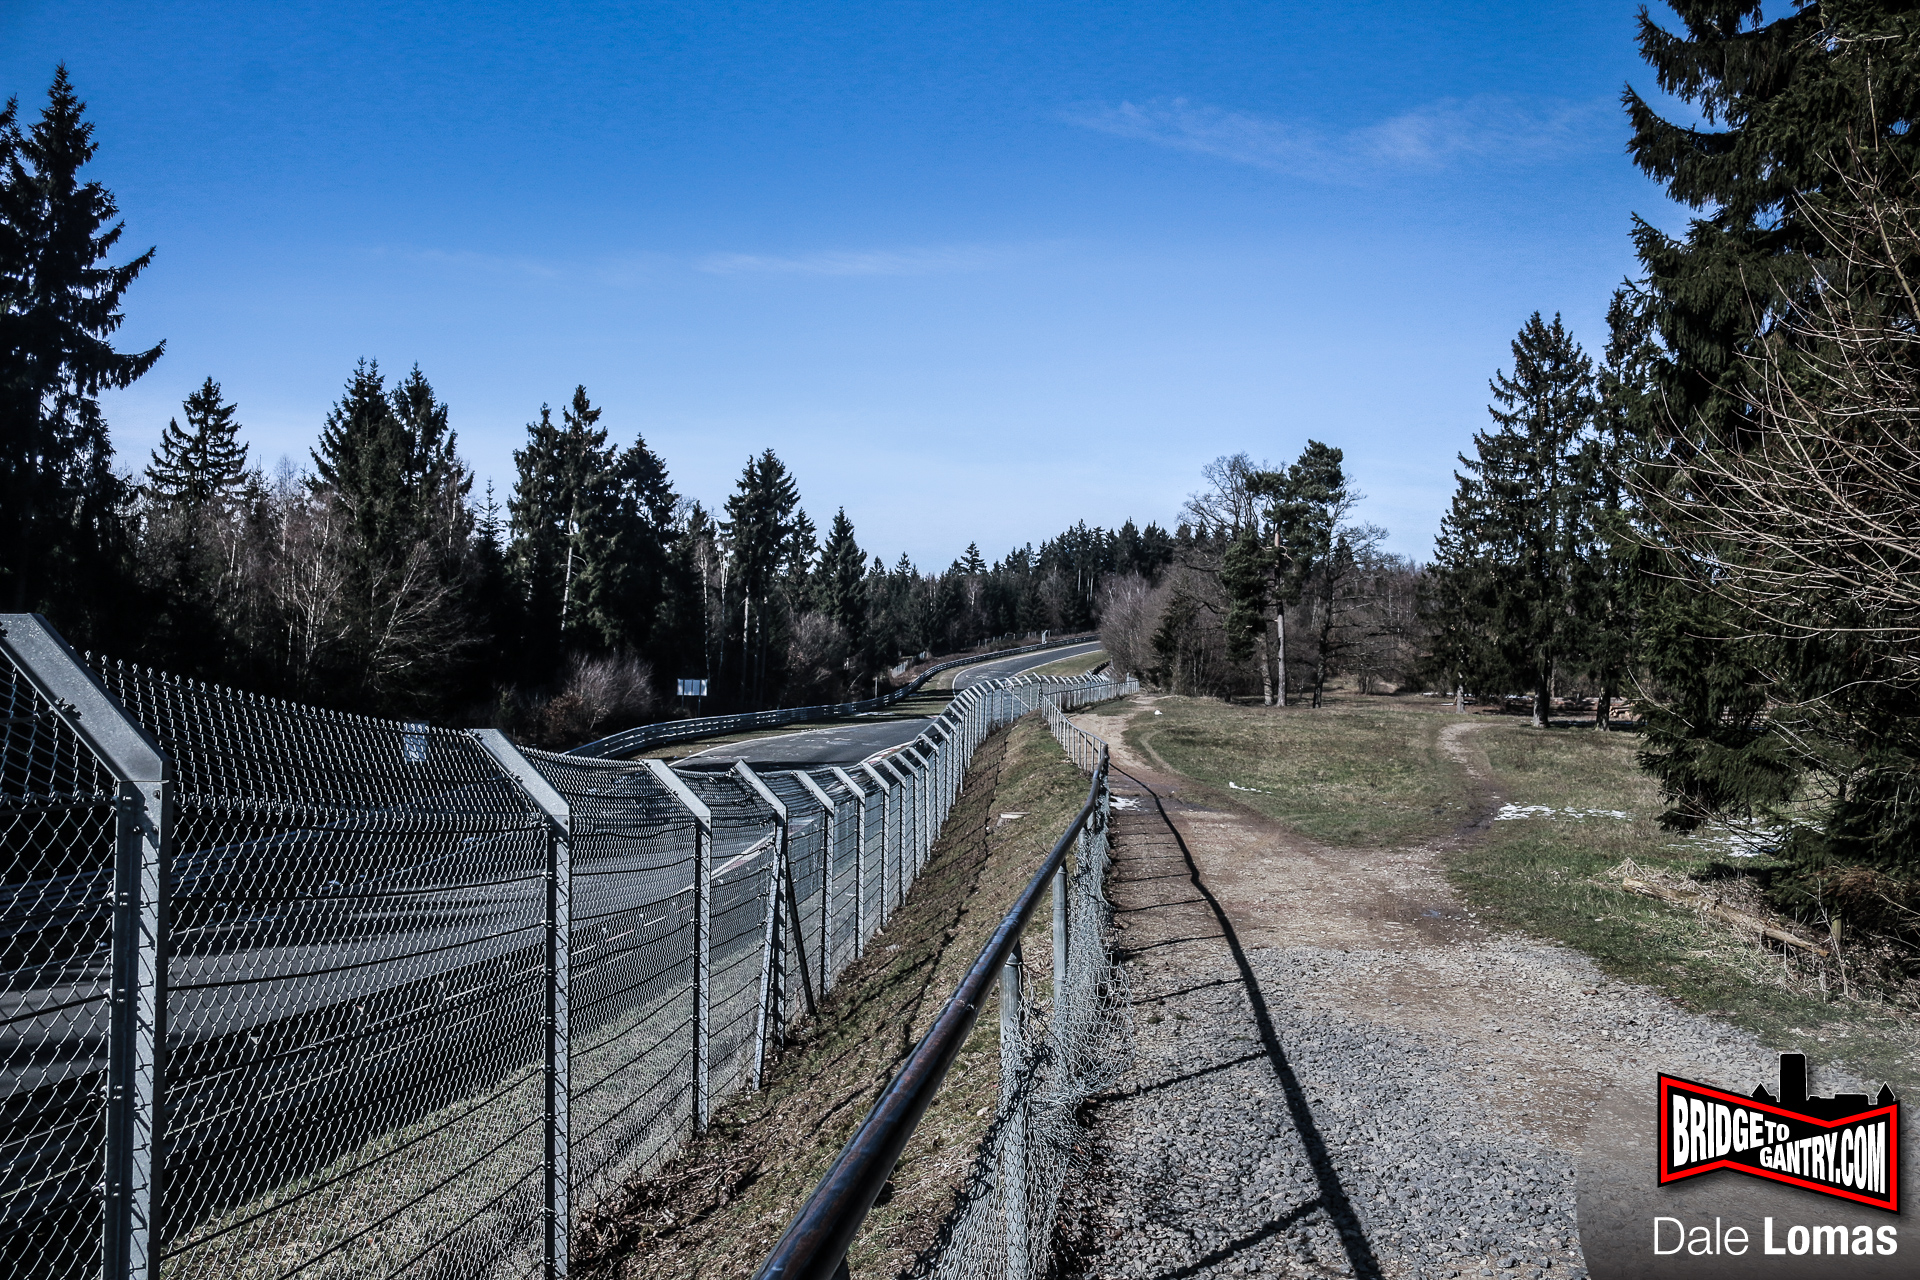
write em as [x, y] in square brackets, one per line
[1337, 1071]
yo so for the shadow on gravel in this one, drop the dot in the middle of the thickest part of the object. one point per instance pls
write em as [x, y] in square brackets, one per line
[1333, 1195]
[1246, 1241]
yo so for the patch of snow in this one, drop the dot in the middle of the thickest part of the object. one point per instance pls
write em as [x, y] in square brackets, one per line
[1514, 812]
[1237, 787]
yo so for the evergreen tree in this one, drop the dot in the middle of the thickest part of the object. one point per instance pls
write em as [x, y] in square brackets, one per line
[195, 475]
[1757, 706]
[841, 590]
[200, 464]
[1520, 520]
[388, 463]
[760, 531]
[60, 543]
[564, 514]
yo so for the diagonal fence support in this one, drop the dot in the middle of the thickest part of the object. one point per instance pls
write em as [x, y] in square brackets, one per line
[142, 844]
[702, 935]
[826, 804]
[559, 930]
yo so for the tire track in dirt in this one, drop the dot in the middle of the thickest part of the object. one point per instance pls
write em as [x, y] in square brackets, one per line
[1339, 1070]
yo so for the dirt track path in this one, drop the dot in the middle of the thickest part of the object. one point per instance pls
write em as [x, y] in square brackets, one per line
[1338, 1070]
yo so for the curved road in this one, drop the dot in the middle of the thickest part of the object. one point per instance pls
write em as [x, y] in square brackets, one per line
[852, 741]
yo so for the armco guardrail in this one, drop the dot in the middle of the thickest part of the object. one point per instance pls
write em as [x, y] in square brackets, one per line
[1002, 1224]
[289, 993]
[631, 741]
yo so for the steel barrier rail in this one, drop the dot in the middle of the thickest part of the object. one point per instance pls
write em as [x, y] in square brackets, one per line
[639, 738]
[815, 1244]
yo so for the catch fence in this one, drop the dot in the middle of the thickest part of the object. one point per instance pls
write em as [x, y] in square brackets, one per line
[295, 993]
[1056, 1051]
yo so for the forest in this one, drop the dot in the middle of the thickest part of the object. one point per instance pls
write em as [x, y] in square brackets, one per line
[374, 578]
[1711, 521]
[1716, 521]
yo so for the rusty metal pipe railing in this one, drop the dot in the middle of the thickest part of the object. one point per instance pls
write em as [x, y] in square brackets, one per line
[816, 1241]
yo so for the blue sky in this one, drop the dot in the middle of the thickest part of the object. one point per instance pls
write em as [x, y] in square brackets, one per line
[974, 270]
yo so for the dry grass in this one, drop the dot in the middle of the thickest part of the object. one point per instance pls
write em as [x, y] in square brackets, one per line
[724, 1202]
[1359, 771]
[1368, 771]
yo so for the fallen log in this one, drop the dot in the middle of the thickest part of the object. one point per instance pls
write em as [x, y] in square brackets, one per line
[1738, 919]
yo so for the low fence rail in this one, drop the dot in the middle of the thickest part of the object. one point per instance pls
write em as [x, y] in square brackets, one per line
[285, 992]
[643, 737]
[1051, 1060]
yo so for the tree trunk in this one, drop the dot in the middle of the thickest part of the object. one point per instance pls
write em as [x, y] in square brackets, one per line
[1603, 709]
[1280, 656]
[1460, 698]
[1542, 698]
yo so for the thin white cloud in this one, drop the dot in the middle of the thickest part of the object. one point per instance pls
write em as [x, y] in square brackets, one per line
[864, 262]
[1431, 137]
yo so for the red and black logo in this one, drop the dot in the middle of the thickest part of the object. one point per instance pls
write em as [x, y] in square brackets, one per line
[1846, 1145]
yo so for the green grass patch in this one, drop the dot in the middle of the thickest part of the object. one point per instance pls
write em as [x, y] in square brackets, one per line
[1359, 771]
[1546, 874]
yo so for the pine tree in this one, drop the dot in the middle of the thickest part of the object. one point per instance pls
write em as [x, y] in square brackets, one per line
[1521, 520]
[841, 591]
[60, 544]
[760, 532]
[564, 514]
[1787, 103]
[198, 465]
[388, 463]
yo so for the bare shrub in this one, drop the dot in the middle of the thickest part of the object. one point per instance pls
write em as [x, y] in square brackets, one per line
[818, 661]
[1129, 611]
[599, 695]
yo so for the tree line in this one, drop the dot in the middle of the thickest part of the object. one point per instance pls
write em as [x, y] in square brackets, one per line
[376, 577]
[1720, 517]
[1271, 590]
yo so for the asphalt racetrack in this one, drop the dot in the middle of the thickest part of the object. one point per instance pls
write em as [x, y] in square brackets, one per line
[850, 742]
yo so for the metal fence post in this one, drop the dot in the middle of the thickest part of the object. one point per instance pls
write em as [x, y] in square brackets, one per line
[886, 825]
[559, 914]
[702, 933]
[904, 810]
[143, 843]
[859, 861]
[770, 1024]
[826, 876]
[1013, 1169]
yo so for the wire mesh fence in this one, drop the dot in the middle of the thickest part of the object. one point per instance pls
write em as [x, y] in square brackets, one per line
[295, 993]
[1056, 1051]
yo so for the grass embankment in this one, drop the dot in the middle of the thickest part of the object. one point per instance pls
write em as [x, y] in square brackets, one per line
[725, 1200]
[1370, 772]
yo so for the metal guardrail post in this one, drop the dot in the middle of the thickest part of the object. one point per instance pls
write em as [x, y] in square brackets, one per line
[859, 861]
[142, 845]
[826, 876]
[702, 934]
[559, 928]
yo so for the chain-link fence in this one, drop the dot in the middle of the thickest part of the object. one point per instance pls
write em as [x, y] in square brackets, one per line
[295, 993]
[1055, 1052]
[1057, 1049]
